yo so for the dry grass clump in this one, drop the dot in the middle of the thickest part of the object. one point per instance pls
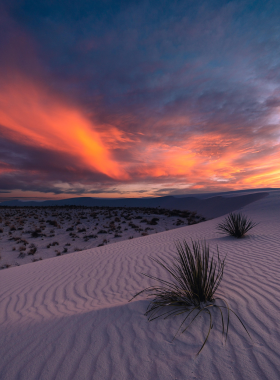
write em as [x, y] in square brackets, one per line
[32, 250]
[236, 225]
[195, 279]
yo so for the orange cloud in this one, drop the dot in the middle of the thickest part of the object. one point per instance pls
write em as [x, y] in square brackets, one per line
[36, 117]
[214, 160]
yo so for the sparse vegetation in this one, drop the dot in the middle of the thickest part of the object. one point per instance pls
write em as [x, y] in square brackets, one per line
[32, 249]
[80, 224]
[36, 233]
[195, 279]
[236, 225]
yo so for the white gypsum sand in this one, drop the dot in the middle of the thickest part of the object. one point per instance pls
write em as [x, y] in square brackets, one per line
[69, 318]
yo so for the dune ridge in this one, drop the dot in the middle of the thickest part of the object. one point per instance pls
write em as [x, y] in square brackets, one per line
[210, 207]
[69, 317]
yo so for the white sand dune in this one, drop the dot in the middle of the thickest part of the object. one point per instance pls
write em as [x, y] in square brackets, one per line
[69, 317]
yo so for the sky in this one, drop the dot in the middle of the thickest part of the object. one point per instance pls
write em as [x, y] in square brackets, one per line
[138, 98]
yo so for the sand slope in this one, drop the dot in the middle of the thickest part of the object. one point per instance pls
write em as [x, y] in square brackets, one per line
[68, 317]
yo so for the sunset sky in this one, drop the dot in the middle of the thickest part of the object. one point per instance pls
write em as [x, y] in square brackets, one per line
[138, 98]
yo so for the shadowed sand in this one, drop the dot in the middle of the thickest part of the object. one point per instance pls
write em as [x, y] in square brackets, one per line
[69, 317]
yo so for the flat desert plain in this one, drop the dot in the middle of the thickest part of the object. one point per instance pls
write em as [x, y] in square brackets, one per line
[68, 317]
[30, 234]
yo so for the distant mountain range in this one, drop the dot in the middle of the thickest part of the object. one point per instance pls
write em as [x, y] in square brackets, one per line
[209, 208]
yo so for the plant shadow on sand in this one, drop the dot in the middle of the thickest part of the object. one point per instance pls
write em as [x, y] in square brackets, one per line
[195, 279]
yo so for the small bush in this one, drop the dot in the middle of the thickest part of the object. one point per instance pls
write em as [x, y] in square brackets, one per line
[34, 260]
[92, 236]
[154, 221]
[53, 223]
[236, 225]
[195, 280]
[32, 250]
[36, 233]
[5, 266]
[81, 230]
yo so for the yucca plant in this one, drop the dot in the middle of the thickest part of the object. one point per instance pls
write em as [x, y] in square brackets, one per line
[195, 279]
[236, 225]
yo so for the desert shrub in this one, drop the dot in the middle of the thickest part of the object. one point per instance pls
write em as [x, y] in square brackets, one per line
[81, 230]
[34, 260]
[23, 241]
[195, 279]
[179, 222]
[154, 221]
[92, 236]
[5, 266]
[236, 225]
[36, 233]
[53, 223]
[32, 249]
